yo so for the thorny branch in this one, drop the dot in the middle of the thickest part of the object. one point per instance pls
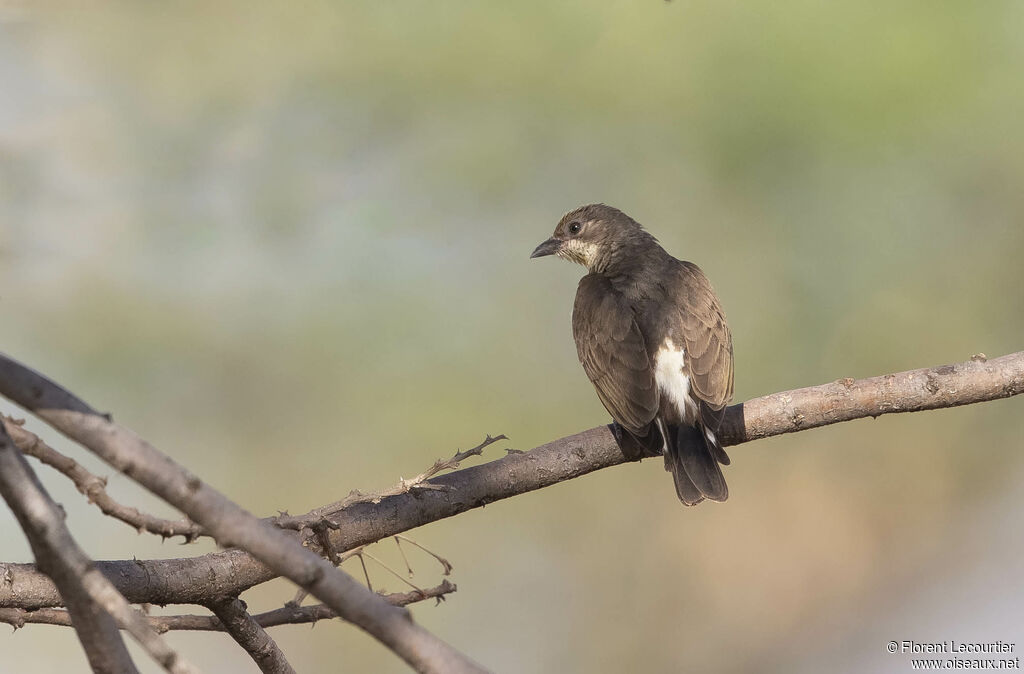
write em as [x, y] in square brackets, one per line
[93, 487]
[320, 516]
[194, 580]
[360, 520]
[288, 615]
[319, 523]
[362, 554]
[250, 635]
[230, 525]
[94, 605]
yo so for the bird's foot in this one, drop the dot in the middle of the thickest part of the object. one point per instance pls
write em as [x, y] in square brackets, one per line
[628, 445]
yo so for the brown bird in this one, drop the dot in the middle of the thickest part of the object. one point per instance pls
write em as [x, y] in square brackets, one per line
[653, 340]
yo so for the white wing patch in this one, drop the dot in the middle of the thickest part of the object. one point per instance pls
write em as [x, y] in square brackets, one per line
[672, 382]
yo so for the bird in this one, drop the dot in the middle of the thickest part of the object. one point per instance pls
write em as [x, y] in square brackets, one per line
[652, 337]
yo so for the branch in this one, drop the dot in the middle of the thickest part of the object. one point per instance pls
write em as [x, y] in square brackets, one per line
[227, 522]
[94, 604]
[320, 515]
[977, 380]
[134, 622]
[93, 487]
[289, 615]
[973, 381]
[196, 579]
[232, 614]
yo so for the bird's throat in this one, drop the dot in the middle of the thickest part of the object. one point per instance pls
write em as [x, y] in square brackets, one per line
[580, 252]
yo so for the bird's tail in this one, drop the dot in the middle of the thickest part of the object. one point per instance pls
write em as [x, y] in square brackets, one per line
[692, 456]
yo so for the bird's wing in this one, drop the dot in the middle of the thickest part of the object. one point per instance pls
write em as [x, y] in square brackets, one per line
[707, 341]
[613, 354]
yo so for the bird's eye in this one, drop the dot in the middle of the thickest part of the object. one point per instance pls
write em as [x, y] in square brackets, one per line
[574, 228]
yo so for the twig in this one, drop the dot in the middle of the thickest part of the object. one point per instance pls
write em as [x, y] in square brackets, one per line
[227, 522]
[445, 564]
[93, 487]
[250, 635]
[96, 607]
[289, 615]
[301, 594]
[387, 568]
[359, 553]
[192, 580]
[405, 560]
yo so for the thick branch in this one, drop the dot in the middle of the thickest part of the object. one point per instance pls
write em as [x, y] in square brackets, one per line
[232, 571]
[232, 613]
[973, 381]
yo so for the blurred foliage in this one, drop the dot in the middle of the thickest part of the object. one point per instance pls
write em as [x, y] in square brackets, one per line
[290, 248]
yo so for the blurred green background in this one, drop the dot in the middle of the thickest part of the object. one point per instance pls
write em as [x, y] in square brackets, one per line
[289, 246]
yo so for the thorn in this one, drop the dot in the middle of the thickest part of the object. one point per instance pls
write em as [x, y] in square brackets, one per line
[445, 564]
[365, 572]
[392, 571]
[398, 542]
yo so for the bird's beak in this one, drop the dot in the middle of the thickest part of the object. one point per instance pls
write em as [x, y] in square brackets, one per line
[549, 247]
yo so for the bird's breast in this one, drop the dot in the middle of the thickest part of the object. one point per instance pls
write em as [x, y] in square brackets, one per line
[670, 374]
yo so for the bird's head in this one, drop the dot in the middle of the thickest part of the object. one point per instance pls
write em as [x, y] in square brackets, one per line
[593, 236]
